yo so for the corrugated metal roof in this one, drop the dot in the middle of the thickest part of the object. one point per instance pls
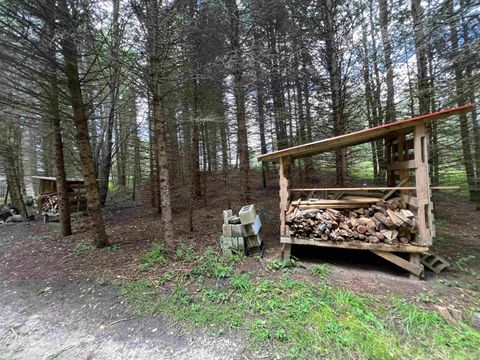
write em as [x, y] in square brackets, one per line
[361, 136]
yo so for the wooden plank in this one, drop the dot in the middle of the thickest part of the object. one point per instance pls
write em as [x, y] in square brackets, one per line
[402, 165]
[389, 159]
[401, 157]
[422, 182]
[373, 188]
[397, 260]
[410, 200]
[390, 193]
[359, 201]
[344, 206]
[361, 136]
[355, 244]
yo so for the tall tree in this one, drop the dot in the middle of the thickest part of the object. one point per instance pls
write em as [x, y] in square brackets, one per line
[68, 22]
[106, 163]
[387, 53]
[237, 68]
[158, 19]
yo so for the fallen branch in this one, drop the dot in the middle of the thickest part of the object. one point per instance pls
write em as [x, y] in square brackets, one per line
[124, 319]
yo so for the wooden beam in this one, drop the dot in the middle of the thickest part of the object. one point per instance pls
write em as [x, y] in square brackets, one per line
[355, 245]
[415, 260]
[359, 201]
[422, 182]
[402, 165]
[390, 193]
[377, 188]
[284, 173]
[417, 270]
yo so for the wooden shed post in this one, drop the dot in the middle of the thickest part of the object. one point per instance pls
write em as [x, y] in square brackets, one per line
[422, 184]
[284, 172]
[389, 160]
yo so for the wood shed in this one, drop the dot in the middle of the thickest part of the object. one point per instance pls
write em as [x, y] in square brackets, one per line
[406, 156]
[47, 195]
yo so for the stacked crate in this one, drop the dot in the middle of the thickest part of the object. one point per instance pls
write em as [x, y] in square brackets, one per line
[241, 234]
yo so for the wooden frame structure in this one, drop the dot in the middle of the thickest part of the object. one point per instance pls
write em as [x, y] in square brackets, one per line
[76, 192]
[407, 157]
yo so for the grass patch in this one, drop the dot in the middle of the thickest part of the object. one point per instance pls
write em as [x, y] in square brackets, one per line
[301, 319]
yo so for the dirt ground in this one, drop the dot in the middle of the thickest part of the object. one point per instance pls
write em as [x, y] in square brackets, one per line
[59, 301]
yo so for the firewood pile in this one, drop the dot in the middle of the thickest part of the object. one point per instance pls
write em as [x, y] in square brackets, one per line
[49, 203]
[376, 221]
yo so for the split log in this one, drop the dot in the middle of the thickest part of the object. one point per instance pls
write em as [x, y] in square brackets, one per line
[383, 221]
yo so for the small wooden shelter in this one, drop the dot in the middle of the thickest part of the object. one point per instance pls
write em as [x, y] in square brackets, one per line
[47, 194]
[406, 155]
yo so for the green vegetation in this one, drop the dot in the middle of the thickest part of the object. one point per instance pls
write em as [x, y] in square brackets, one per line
[321, 271]
[301, 319]
[81, 249]
[154, 256]
[285, 265]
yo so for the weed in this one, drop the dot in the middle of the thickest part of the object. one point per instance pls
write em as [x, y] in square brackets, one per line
[185, 252]
[426, 298]
[241, 282]
[321, 271]
[210, 264]
[462, 262]
[154, 256]
[81, 248]
[113, 247]
[102, 281]
[285, 265]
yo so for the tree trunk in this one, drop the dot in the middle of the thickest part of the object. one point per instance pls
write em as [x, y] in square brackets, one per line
[239, 93]
[164, 180]
[421, 55]
[387, 49]
[105, 167]
[69, 51]
[13, 139]
[54, 113]
[369, 101]
[461, 98]
[196, 186]
[333, 67]
[261, 111]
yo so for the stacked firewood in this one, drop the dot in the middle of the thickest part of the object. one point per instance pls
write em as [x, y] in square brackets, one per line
[387, 222]
[49, 203]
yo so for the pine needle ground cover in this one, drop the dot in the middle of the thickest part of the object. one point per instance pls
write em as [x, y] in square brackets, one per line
[298, 319]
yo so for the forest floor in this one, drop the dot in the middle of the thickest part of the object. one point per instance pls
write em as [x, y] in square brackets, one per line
[61, 298]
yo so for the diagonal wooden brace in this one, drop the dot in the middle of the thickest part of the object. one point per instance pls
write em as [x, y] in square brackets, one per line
[397, 260]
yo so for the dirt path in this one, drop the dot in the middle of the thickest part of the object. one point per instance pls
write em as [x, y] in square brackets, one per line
[72, 318]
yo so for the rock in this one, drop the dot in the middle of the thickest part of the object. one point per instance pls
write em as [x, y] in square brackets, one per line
[476, 320]
[15, 219]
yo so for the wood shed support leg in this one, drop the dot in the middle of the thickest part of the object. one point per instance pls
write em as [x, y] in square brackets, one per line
[284, 172]
[422, 183]
[413, 266]
[287, 251]
[415, 261]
